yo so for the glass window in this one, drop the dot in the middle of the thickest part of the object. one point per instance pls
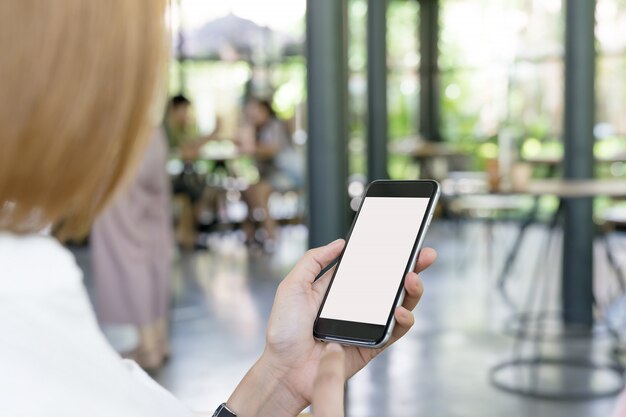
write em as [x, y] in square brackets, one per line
[235, 48]
[611, 69]
[501, 65]
[402, 79]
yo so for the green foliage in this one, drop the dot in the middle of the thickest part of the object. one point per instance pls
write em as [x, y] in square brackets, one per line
[290, 80]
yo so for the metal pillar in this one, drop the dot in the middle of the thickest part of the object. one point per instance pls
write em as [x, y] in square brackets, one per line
[579, 161]
[429, 111]
[377, 89]
[326, 22]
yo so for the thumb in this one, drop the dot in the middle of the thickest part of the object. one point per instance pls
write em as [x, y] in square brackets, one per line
[328, 388]
[315, 260]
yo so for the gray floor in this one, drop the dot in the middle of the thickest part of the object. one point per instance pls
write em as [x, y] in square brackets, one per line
[223, 298]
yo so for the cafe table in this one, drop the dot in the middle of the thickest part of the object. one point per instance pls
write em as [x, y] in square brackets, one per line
[436, 158]
[562, 189]
[556, 160]
[576, 293]
[220, 154]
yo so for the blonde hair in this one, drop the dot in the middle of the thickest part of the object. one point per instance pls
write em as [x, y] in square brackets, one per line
[80, 80]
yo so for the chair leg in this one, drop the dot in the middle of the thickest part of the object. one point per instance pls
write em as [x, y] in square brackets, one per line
[610, 255]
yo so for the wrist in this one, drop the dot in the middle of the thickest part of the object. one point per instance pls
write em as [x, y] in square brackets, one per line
[263, 391]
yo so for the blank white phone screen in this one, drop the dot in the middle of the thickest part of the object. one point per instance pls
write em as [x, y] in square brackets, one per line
[373, 264]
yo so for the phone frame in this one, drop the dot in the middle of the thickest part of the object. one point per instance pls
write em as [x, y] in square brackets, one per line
[366, 334]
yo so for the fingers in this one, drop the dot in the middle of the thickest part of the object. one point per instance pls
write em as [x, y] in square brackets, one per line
[315, 260]
[404, 321]
[413, 291]
[328, 388]
[426, 258]
[413, 284]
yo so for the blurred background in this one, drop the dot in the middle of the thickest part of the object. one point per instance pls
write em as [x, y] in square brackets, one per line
[281, 111]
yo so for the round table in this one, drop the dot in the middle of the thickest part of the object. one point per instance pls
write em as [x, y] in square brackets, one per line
[576, 286]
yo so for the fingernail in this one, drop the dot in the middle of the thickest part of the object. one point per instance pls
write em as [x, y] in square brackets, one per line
[334, 347]
[334, 242]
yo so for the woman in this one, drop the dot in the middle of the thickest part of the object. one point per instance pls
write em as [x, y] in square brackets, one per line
[60, 162]
[265, 137]
[131, 246]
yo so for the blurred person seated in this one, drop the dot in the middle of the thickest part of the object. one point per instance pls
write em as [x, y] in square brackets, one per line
[67, 163]
[132, 298]
[267, 138]
[189, 187]
[183, 135]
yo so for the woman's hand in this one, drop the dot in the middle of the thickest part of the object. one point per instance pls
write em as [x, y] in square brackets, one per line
[328, 388]
[281, 382]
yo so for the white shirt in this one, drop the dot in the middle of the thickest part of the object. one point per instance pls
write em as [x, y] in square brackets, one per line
[54, 362]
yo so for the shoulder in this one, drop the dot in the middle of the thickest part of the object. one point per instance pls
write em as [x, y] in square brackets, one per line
[51, 345]
[277, 124]
[274, 130]
[34, 263]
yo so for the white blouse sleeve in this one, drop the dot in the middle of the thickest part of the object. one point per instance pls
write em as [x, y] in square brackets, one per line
[54, 361]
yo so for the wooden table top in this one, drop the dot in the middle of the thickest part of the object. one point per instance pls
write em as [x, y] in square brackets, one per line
[489, 202]
[437, 150]
[557, 160]
[223, 156]
[575, 188]
[556, 187]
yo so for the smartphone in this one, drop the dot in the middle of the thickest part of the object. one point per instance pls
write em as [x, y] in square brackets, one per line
[382, 247]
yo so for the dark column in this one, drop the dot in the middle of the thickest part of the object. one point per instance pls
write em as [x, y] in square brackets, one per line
[327, 120]
[377, 89]
[579, 160]
[429, 70]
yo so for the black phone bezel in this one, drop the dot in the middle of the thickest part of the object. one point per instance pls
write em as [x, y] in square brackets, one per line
[366, 333]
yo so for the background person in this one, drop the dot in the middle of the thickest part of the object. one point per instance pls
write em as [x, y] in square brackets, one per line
[183, 135]
[60, 163]
[266, 137]
[189, 186]
[131, 244]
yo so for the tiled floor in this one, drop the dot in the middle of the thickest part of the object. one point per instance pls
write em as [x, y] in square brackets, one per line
[223, 298]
